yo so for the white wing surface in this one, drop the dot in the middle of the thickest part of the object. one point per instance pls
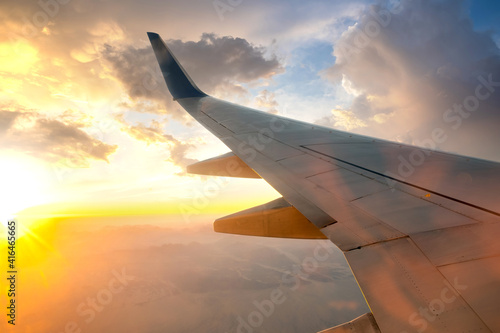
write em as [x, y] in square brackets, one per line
[419, 228]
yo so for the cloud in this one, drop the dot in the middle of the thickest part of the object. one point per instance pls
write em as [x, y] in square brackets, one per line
[217, 59]
[67, 45]
[267, 100]
[219, 65]
[7, 119]
[153, 135]
[52, 140]
[341, 305]
[406, 66]
[342, 119]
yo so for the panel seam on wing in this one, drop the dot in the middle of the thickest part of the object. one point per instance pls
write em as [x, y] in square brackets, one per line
[375, 243]
[208, 116]
[406, 183]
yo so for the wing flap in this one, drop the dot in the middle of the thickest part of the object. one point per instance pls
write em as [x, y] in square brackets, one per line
[471, 278]
[406, 292]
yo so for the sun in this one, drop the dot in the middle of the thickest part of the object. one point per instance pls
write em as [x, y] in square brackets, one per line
[24, 182]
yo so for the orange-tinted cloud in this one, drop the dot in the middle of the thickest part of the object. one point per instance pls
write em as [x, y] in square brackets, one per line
[267, 100]
[155, 134]
[51, 139]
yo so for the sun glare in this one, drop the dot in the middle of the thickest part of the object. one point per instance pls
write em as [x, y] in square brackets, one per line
[23, 184]
[17, 58]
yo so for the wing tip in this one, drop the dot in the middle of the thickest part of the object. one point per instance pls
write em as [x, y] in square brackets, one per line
[178, 81]
[153, 35]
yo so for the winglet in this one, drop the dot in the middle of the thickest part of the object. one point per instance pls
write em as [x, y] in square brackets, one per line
[178, 81]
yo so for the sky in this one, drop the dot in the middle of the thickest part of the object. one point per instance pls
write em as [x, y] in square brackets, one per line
[88, 127]
[86, 118]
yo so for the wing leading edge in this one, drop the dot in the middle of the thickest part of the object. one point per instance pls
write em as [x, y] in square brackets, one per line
[418, 227]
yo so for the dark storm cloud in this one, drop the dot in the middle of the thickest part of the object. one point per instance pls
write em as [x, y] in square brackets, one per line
[413, 63]
[217, 59]
[51, 139]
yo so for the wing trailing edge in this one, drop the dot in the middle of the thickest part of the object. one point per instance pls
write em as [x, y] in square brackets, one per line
[363, 324]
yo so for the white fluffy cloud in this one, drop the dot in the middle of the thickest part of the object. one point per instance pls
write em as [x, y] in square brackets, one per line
[416, 67]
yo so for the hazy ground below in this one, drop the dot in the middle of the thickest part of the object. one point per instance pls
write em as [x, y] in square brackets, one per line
[150, 278]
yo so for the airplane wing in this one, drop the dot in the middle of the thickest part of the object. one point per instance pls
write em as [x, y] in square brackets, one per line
[419, 228]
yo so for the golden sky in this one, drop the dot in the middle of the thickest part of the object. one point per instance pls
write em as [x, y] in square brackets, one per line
[81, 122]
[89, 134]
[85, 116]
